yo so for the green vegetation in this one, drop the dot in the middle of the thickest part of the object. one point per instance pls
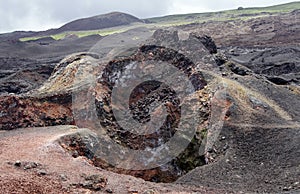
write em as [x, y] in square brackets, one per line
[80, 34]
[183, 19]
[32, 38]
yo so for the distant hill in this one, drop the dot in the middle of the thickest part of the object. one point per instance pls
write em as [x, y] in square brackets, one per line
[117, 22]
[105, 21]
[99, 22]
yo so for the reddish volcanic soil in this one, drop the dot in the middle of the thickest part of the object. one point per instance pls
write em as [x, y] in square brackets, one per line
[36, 163]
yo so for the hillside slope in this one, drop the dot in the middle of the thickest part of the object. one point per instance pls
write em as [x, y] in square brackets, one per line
[236, 14]
[117, 22]
[99, 22]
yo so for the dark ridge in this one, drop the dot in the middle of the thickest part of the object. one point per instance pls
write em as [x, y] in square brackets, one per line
[99, 22]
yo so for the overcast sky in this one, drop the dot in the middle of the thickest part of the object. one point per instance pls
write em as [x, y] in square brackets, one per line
[45, 14]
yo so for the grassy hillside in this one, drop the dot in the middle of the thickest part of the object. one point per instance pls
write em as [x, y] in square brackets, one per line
[176, 20]
[244, 13]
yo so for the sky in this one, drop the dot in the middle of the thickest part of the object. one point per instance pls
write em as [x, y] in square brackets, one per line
[45, 14]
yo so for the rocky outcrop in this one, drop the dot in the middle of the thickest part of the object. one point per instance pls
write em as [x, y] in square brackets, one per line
[232, 108]
[27, 65]
[49, 105]
[21, 112]
[280, 65]
[273, 29]
[53, 103]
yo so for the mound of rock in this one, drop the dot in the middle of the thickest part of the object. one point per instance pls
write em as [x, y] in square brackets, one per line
[230, 118]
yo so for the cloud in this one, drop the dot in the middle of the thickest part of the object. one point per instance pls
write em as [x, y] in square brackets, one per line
[45, 14]
[16, 15]
[38, 15]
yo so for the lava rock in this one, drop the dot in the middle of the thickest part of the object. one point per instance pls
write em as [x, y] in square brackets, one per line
[94, 182]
